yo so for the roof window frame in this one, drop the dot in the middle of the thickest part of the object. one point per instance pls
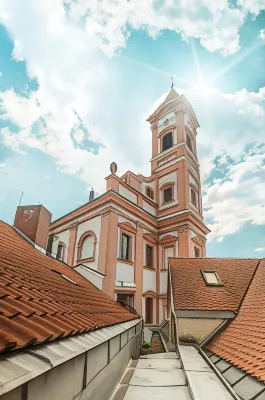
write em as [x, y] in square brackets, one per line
[212, 271]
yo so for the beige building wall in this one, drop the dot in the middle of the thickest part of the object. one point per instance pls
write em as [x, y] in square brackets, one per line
[195, 330]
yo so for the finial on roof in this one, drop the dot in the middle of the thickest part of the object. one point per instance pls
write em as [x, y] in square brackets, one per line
[172, 82]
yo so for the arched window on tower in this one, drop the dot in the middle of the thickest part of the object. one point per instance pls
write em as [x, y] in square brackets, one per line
[86, 247]
[167, 141]
[149, 310]
[189, 141]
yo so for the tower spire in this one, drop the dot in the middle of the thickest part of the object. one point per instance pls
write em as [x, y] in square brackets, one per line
[172, 82]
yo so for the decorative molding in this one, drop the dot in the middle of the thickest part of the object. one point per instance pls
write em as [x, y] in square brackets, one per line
[168, 239]
[150, 237]
[126, 226]
[199, 240]
[150, 293]
[183, 228]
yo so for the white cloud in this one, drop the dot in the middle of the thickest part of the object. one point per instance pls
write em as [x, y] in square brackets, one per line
[2, 165]
[65, 56]
[238, 197]
[262, 34]
[260, 249]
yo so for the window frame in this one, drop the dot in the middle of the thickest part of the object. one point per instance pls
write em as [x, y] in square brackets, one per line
[152, 256]
[79, 247]
[204, 272]
[62, 245]
[162, 138]
[192, 190]
[130, 239]
[169, 185]
[148, 188]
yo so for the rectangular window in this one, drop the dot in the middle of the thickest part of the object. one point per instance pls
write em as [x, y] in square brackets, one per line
[168, 196]
[149, 255]
[126, 247]
[193, 197]
[59, 255]
[197, 252]
[167, 141]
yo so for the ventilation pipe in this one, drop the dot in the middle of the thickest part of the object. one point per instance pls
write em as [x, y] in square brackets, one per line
[91, 194]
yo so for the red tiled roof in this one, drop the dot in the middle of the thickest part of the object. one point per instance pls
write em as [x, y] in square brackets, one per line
[191, 293]
[242, 343]
[37, 304]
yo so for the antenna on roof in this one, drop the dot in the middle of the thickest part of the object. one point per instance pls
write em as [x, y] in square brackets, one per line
[20, 198]
[172, 82]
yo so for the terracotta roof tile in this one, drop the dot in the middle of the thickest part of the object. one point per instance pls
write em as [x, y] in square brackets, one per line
[243, 342]
[191, 293]
[37, 304]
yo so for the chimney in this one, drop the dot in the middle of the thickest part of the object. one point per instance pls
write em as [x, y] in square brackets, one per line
[91, 194]
[34, 222]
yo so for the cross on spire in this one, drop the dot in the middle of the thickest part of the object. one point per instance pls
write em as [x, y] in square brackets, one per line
[172, 82]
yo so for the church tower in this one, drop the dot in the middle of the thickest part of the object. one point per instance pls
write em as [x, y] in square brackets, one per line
[175, 167]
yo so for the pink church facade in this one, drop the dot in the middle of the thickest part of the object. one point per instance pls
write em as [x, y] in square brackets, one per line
[121, 240]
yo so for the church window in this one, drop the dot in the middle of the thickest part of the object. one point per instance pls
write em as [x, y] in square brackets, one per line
[149, 256]
[126, 247]
[167, 141]
[211, 278]
[168, 194]
[150, 193]
[188, 141]
[193, 195]
[86, 247]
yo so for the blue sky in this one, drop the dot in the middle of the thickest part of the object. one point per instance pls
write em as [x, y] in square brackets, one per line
[79, 78]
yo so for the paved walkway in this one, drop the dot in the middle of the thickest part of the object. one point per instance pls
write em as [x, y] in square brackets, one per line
[155, 377]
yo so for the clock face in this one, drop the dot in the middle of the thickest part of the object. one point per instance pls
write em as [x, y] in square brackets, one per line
[168, 120]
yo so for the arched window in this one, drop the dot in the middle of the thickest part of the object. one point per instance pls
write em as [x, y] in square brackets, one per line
[189, 141]
[149, 310]
[149, 192]
[167, 141]
[167, 192]
[86, 247]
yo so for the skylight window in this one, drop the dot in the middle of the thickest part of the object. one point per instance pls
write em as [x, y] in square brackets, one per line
[211, 278]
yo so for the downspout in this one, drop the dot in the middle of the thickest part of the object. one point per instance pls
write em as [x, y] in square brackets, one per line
[172, 308]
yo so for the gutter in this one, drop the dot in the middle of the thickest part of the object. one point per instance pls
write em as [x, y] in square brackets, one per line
[218, 373]
[211, 364]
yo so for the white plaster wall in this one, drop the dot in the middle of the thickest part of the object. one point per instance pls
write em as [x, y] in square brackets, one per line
[147, 207]
[171, 121]
[149, 280]
[160, 310]
[127, 194]
[93, 225]
[163, 282]
[92, 277]
[172, 177]
[63, 237]
[124, 272]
